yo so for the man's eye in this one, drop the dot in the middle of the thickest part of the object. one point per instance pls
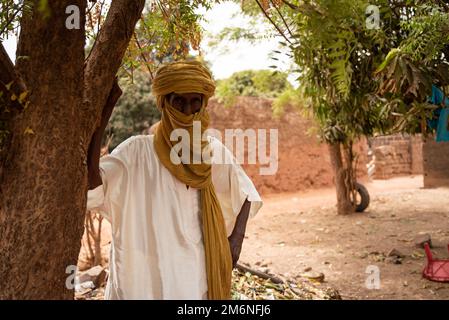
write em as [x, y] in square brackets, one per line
[178, 101]
[196, 103]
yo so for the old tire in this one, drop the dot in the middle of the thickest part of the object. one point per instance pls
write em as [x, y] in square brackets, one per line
[363, 197]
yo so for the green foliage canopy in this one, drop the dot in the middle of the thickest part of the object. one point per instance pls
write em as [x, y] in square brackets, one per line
[337, 57]
[253, 83]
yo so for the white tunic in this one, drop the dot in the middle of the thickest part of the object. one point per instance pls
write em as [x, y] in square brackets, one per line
[157, 250]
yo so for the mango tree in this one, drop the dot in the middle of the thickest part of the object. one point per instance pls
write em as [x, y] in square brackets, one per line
[337, 47]
[52, 98]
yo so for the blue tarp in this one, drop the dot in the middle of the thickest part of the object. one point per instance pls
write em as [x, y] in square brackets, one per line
[441, 115]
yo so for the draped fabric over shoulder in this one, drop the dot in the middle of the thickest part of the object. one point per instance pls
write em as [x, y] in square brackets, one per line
[188, 77]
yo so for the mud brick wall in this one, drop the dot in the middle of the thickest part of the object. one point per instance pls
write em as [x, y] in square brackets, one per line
[304, 162]
[436, 163]
[397, 155]
[416, 145]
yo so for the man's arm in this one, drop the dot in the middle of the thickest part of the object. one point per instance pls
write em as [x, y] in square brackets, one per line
[93, 156]
[238, 233]
[93, 160]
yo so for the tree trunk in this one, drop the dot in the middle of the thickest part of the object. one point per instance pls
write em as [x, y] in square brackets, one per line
[349, 164]
[342, 180]
[44, 176]
[43, 185]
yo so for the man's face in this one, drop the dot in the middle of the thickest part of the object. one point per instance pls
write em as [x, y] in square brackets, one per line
[187, 103]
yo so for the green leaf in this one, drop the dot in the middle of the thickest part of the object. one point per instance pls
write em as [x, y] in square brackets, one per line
[392, 54]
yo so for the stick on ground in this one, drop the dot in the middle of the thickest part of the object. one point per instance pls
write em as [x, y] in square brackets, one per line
[260, 274]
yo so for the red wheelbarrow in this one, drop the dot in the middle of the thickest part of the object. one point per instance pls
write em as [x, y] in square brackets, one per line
[436, 269]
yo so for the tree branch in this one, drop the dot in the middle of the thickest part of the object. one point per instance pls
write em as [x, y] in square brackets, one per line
[6, 65]
[106, 57]
[8, 75]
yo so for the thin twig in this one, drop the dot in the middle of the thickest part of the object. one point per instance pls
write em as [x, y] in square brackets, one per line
[282, 17]
[11, 19]
[147, 64]
[291, 5]
[99, 17]
[98, 29]
[272, 22]
[89, 14]
[164, 12]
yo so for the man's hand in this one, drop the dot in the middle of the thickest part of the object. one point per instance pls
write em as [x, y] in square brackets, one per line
[238, 234]
[235, 243]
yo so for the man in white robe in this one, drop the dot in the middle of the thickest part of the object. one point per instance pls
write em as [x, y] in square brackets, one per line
[157, 249]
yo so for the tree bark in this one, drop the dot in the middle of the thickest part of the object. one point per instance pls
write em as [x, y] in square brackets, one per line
[344, 203]
[42, 198]
[44, 183]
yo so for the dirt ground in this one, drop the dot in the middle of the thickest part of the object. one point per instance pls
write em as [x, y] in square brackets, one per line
[298, 231]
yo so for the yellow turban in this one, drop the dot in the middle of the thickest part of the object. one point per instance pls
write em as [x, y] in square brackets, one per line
[186, 77]
[182, 77]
